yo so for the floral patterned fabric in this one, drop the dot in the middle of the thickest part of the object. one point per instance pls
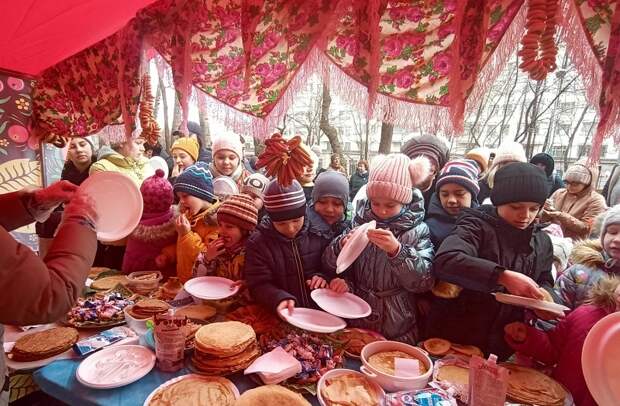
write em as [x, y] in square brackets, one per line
[246, 54]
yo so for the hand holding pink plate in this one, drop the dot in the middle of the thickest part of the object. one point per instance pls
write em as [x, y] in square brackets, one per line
[354, 247]
[313, 320]
[345, 305]
[211, 288]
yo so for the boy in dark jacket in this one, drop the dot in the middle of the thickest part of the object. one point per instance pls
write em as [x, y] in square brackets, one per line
[283, 258]
[457, 188]
[327, 211]
[495, 249]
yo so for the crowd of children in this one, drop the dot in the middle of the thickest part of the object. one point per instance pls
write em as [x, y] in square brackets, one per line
[448, 234]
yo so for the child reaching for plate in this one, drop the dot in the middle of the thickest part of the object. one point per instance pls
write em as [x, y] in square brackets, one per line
[397, 261]
[493, 249]
[562, 346]
[225, 257]
[196, 227]
[283, 257]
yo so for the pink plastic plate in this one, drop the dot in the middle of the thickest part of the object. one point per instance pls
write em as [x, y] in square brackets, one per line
[600, 360]
[118, 203]
[354, 247]
[114, 367]
[313, 320]
[211, 287]
[345, 305]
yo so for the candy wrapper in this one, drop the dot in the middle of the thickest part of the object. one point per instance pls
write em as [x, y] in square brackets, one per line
[170, 337]
[488, 382]
[103, 339]
[423, 397]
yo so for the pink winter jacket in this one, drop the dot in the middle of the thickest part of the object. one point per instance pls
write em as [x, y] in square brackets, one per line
[562, 347]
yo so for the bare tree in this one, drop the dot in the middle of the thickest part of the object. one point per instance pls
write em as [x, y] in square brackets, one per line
[385, 144]
[325, 125]
[177, 116]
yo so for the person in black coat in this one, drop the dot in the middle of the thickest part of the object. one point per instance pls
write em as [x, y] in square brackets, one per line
[545, 162]
[457, 188]
[283, 257]
[495, 249]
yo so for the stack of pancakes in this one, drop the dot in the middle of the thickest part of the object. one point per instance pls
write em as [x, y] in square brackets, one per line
[147, 308]
[44, 344]
[224, 348]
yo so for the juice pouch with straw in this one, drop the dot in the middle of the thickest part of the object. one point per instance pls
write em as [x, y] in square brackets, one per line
[169, 341]
[488, 382]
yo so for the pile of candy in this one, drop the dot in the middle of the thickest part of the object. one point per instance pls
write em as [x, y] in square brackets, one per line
[93, 309]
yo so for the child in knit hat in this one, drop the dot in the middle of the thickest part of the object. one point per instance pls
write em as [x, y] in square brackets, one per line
[397, 261]
[496, 248]
[330, 196]
[592, 260]
[196, 226]
[225, 257]
[227, 156]
[283, 256]
[255, 186]
[156, 229]
[223, 187]
[184, 153]
[508, 152]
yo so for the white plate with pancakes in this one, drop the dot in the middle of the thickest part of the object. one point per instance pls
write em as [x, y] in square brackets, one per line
[187, 388]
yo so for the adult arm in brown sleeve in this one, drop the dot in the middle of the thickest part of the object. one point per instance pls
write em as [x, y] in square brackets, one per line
[583, 225]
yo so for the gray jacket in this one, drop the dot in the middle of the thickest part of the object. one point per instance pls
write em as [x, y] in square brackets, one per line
[389, 284]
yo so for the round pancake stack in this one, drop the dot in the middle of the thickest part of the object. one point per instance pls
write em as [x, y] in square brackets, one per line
[271, 395]
[196, 312]
[224, 348]
[196, 390]
[147, 308]
[44, 344]
[526, 385]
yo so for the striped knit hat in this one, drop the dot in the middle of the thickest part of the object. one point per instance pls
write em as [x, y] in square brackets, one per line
[432, 147]
[239, 210]
[196, 181]
[285, 203]
[255, 184]
[393, 176]
[463, 172]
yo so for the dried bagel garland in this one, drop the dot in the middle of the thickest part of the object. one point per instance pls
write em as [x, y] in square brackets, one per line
[538, 48]
[150, 128]
[286, 160]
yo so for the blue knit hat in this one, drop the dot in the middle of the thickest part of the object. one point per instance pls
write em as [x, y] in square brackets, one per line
[196, 181]
[285, 203]
[331, 184]
[463, 172]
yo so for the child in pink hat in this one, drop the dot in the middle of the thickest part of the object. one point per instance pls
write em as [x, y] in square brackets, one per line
[396, 263]
[227, 158]
[156, 229]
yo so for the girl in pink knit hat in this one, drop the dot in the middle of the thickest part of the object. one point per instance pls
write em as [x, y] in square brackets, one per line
[227, 156]
[396, 264]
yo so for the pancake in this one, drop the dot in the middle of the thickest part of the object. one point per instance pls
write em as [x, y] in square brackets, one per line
[453, 374]
[271, 395]
[196, 312]
[437, 346]
[527, 385]
[384, 361]
[44, 344]
[109, 282]
[208, 360]
[349, 389]
[195, 391]
[225, 338]
[469, 350]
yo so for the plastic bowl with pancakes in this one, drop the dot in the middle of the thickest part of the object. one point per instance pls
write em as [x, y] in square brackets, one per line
[372, 359]
[347, 387]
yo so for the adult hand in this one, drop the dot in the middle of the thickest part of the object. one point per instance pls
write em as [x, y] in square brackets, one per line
[240, 283]
[516, 331]
[81, 206]
[215, 249]
[385, 240]
[182, 225]
[55, 194]
[316, 282]
[520, 285]
[286, 304]
[339, 285]
[161, 261]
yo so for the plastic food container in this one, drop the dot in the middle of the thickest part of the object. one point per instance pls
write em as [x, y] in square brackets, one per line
[137, 325]
[141, 283]
[337, 372]
[393, 383]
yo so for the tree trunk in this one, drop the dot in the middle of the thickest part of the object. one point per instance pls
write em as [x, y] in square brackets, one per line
[571, 139]
[177, 117]
[385, 145]
[330, 131]
[258, 147]
[161, 88]
[203, 120]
